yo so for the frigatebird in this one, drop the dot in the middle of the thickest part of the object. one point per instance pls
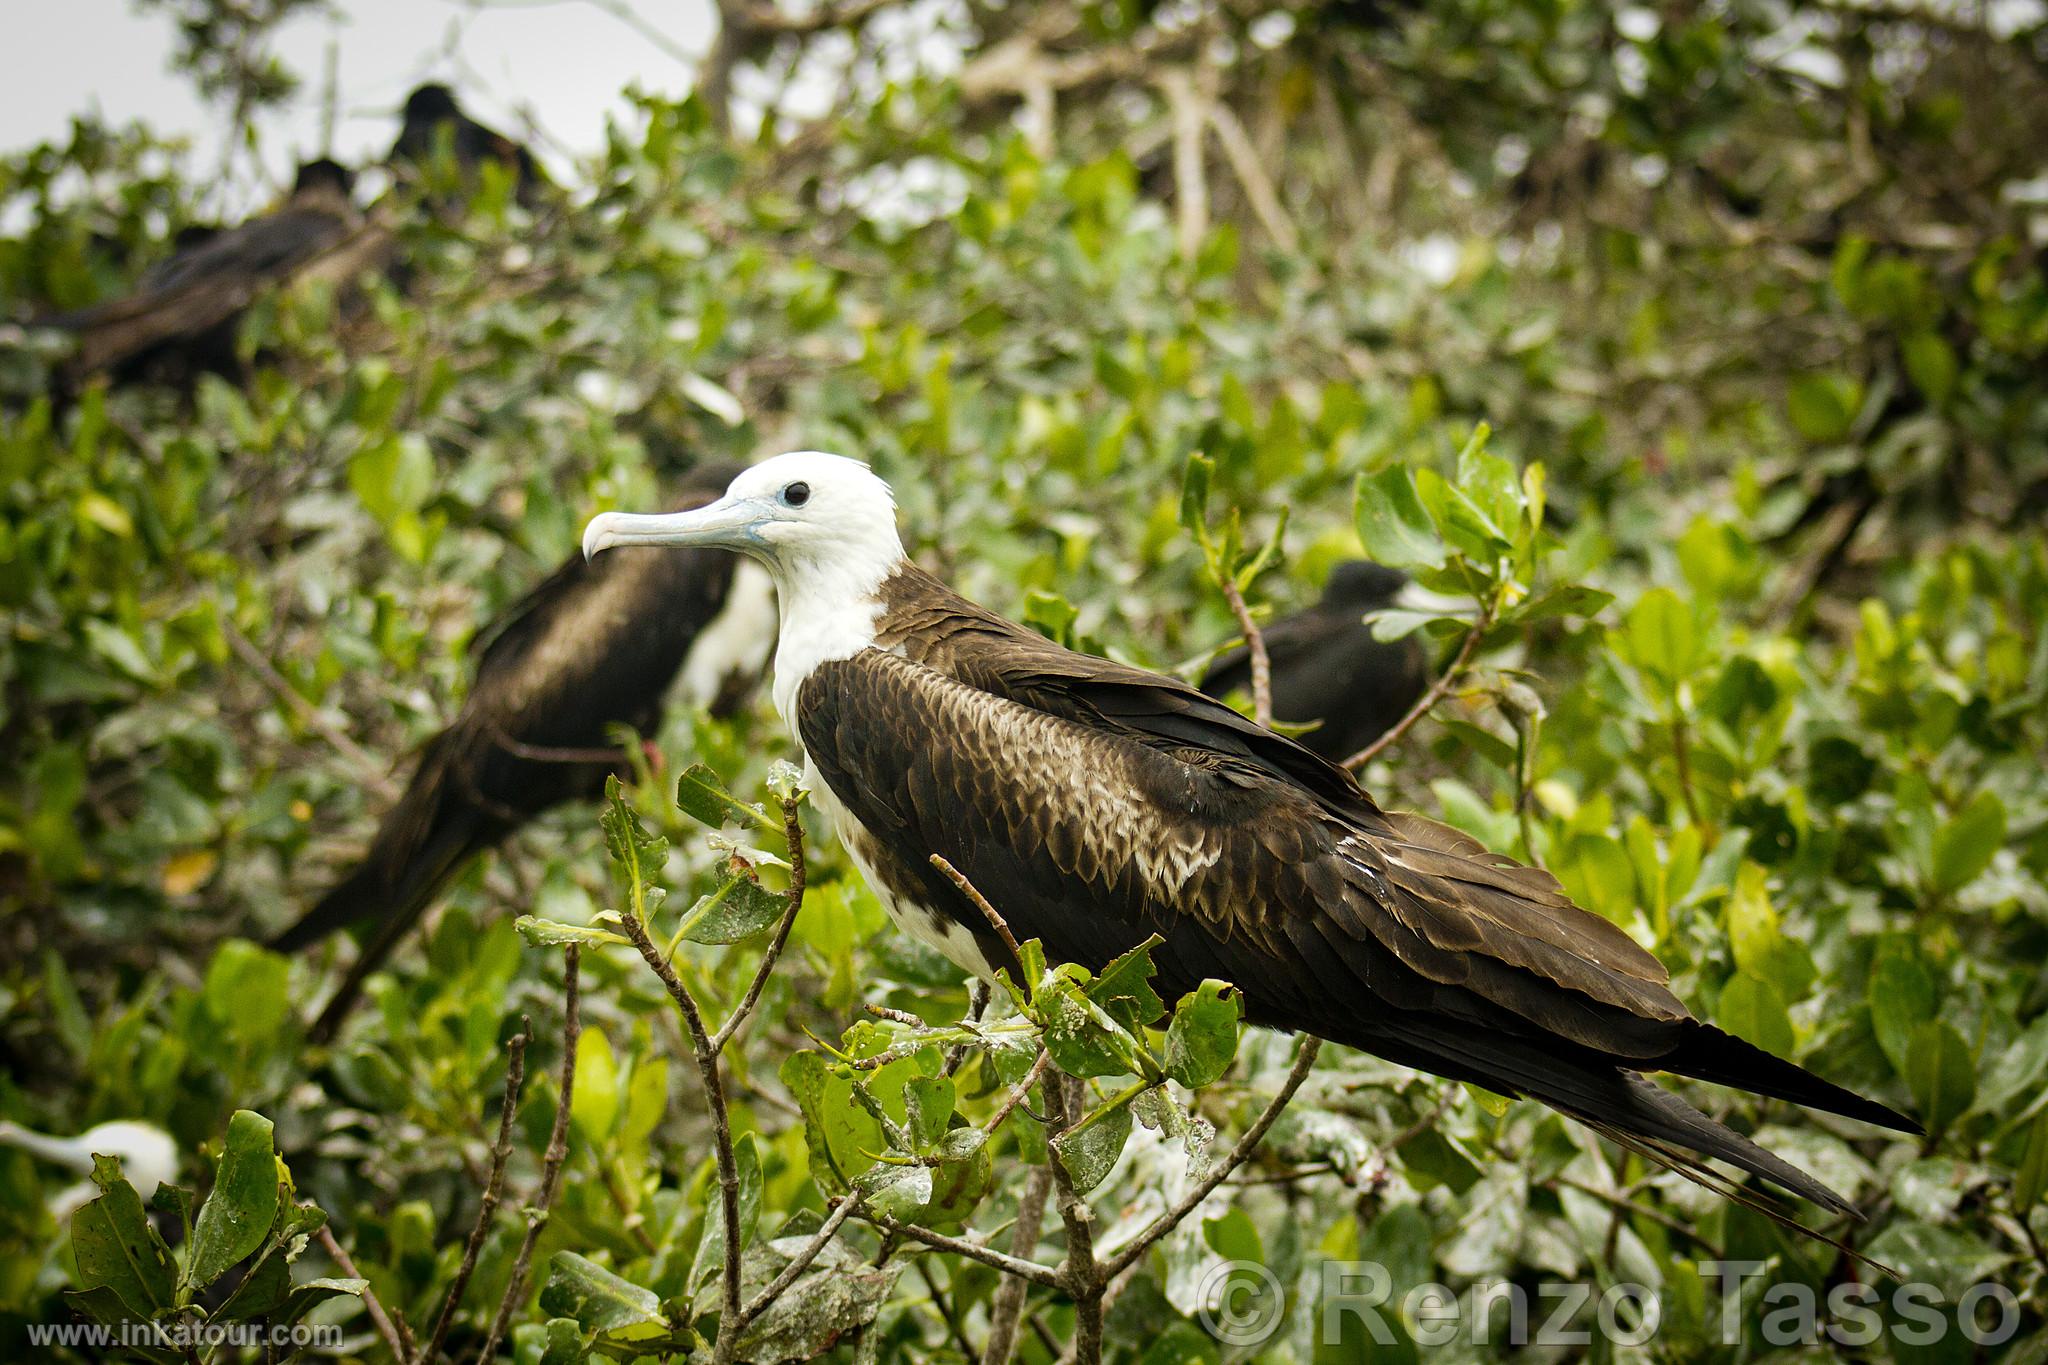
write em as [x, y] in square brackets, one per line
[432, 111]
[1328, 668]
[180, 321]
[1095, 804]
[570, 661]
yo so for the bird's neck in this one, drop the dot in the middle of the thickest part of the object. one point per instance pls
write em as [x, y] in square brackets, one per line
[830, 610]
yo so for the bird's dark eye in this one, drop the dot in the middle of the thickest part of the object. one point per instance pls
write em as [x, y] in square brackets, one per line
[796, 494]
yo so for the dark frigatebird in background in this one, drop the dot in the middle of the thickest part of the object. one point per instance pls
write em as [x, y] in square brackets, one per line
[1095, 804]
[181, 319]
[432, 112]
[1327, 666]
[567, 663]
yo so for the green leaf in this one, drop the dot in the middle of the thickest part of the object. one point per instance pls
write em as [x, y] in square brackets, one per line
[548, 933]
[1233, 1236]
[929, 1100]
[1965, 844]
[1751, 1008]
[1088, 1150]
[312, 1293]
[117, 1250]
[2030, 1179]
[597, 1299]
[702, 797]
[1392, 522]
[1201, 1042]
[1082, 1038]
[594, 1108]
[1194, 496]
[1662, 636]
[738, 910]
[1823, 407]
[1941, 1074]
[1931, 363]
[1903, 996]
[243, 1204]
[899, 1191]
[248, 989]
[1124, 987]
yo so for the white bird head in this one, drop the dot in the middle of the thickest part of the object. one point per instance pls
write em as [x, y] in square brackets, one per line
[807, 516]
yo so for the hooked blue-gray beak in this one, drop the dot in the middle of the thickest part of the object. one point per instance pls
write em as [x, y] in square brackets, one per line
[728, 524]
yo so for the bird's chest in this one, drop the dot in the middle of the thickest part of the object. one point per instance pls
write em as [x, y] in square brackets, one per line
[896, 887]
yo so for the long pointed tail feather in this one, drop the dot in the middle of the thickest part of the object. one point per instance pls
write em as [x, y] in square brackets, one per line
[1708, 1054]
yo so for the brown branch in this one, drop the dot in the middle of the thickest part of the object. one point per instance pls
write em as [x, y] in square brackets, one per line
[1007, 1309]
[1002, 926]
[501, 1152]
[1255, 646]
[1304, 1060]
[1042, 1275]
[706, 1056]
[800, 1262]
[1018, 1092]
[394, 1340]
[1438, 690]
[1258, 186]
[1085, 1277]
[551, 1162]
[793, 832]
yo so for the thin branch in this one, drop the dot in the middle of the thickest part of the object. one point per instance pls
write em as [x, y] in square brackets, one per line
[706, 1055]
[1007, 1309]
[793, 832]
[1258, 186]
[501, 1152]
[1002, 926]
[551, 1162]
[374, 772]
[1304, 1060]
[1042, 1275]
[1255, 646]
[378, 1317]
[1190, 182]
[1438, 690]
[1085, 1278]
[800, 1262]
[1018, 1092]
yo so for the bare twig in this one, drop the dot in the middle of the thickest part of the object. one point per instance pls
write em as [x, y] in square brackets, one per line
[1255, 647]
[706, 1047]
[1042, 1275]
[706, 1056]
[1007, 1309]
[1438, 690]
[378, 1317]
[793, 832]
[1002, 926]
[1258, 186]
[1190, 182]
[800, 1262]
[501, 1152]
[1085, 1278]
[1018, 1092]
[551, 1162]
[1304, 1060]
[373, 771]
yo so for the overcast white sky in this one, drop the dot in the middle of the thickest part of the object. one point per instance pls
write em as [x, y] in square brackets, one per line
[566, 60]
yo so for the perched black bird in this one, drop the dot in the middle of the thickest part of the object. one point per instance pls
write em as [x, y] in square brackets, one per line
[1095, 804]
[1328, 667]
[180, 321]
[430, 109]
[572, 659]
